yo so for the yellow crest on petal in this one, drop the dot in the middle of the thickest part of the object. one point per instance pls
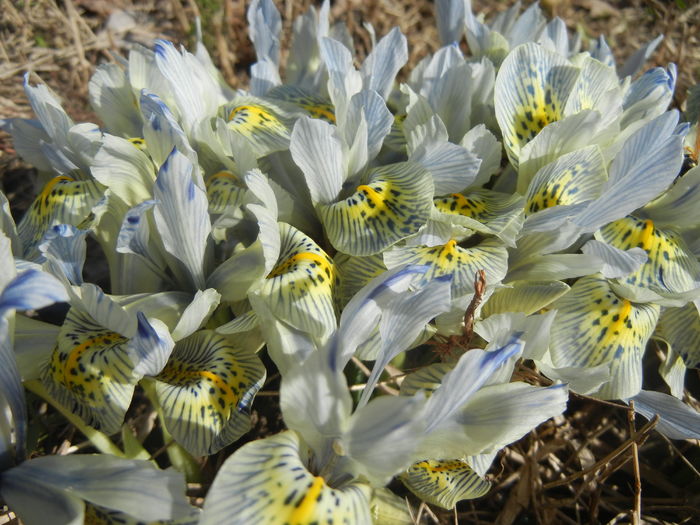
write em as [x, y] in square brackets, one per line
[671, 267]
[63, 200]
[91, 373]
[206, 390]
[444, 482]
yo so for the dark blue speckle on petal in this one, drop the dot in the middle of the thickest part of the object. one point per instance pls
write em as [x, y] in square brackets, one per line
[133, 219]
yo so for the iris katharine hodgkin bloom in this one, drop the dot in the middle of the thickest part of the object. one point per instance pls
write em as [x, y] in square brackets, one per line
[333, 214]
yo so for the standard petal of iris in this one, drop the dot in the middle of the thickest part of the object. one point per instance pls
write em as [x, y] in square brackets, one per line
[179, 197]
[594, 326]
[394, 203]
[268, 482]
[206, 390]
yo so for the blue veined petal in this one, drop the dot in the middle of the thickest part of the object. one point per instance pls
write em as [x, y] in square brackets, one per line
[361, 315]
[12, 402]
[151, 346]
[450, 259]
[470, 373]
[485, 211]
[53, 118]
[600, 50]
[526, 26]
[300, 288]
[315, 399]
[161, 130]
[647, 164]
[383, 63]
[381, 439]
[135, 487]
[370, 106]
[394, 204]
[453, 167]
[500, 329]
[268, 482]
[556, 38]
[484, 145]
[444, 81]
[444, 482]
[179, 197]
[265, 26]
[450, 21]
[62, 201]
[676, 419]
[402, 321]
[677, 207]
[618, 263]
[648, 96]
[562, 137]
[31, 290]
[670, 268]
[532, 88]
[317, 150]
[672, 369]
[343, 79]
[636, 61]
[197, 313]
[195, 91]
[64, 248]
[112, 99]
[29, 139]
[134, 234]
[206, 391]
[594, 326]
[597, 87]
[304, 67]
[680, 327]
[495, 416]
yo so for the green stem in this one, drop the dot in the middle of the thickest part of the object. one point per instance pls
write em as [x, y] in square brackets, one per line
[100, 441]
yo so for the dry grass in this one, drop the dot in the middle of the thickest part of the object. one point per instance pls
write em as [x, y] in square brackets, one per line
[594, 464]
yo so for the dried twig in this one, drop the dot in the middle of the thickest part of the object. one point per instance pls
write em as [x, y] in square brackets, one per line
[637, 437]
[637, 511]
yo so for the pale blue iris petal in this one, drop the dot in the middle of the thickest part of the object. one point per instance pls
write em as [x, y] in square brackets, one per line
[179, 197]
[676, 419]
[135, 487]
[403, 320]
